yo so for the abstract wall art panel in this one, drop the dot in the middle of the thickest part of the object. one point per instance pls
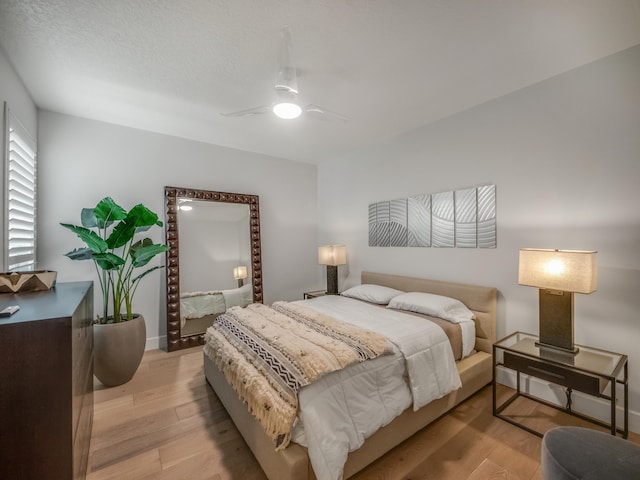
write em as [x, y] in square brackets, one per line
[487, 216]
[442, 220]
[466, 208]
[373, 225]
[419, 221]
[398, 223]
[382, 219]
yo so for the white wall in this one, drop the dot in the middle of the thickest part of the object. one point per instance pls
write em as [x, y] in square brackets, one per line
[565, 157]
[82, 161]
[14, 93]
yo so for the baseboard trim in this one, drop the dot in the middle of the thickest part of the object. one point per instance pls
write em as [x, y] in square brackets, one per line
[155, 343]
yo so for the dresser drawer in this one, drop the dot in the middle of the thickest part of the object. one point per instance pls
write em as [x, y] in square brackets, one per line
[582, 382]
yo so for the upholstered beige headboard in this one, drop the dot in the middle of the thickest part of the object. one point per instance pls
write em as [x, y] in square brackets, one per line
[480, 300]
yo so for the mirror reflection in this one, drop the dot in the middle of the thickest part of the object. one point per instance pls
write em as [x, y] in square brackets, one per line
[214, 261]
[215, 258]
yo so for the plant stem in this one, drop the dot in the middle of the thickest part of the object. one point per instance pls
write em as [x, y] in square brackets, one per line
[104, 288]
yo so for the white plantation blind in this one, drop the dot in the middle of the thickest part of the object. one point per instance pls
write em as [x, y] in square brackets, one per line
[21, 197]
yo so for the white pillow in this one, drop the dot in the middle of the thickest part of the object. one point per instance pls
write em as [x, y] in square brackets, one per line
[435, 305]
[372, 293]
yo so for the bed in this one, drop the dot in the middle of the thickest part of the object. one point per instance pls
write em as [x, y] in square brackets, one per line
[475, 371]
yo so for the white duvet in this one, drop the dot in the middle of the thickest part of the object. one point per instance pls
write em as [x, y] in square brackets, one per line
[339, 411]
[199, 304]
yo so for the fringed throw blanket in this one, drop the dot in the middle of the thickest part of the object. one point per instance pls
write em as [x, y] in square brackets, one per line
[268, 354]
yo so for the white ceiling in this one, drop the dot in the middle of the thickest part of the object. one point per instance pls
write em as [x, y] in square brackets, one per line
[172, 66]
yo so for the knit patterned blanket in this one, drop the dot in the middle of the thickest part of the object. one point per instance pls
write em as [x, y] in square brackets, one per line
[268, 354]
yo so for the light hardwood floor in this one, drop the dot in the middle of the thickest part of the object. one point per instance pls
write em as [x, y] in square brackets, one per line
[167, 424]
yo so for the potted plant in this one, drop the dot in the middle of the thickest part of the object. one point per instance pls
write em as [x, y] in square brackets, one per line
[109, 232]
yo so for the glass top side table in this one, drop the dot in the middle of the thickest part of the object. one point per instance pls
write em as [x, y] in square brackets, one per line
[591, 371]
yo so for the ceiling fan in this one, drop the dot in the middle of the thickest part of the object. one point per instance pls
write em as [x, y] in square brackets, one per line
[287, 104]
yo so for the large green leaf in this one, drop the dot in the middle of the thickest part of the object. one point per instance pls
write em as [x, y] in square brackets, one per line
[91, 238]
[145, 242]
[144, 250]
[148, 227]
[80, 254]
[108, 261]
[143, 216]
[88, 218]
[139, 218]
[108, 211]
[122, 233]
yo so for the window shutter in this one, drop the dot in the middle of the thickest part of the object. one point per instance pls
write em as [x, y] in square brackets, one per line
[21, 197]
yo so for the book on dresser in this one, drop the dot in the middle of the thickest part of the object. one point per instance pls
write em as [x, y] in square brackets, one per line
[46, 383]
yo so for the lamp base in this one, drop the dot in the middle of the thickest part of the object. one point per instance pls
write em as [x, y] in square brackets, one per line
[332, 280]
[557, 349]
[556, 321]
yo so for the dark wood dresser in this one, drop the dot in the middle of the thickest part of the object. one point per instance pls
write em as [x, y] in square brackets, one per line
[46, 383]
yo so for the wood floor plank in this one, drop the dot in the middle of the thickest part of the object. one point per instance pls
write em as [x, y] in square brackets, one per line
[231, 463]
[537, 475]
[167, 424]
[208, 402]
[116, 404]
[214, 441]
[158, 398]
[401, 462]
[458, 457]
[519, 452]
[146, 464]
[125, 441]
[489, 470]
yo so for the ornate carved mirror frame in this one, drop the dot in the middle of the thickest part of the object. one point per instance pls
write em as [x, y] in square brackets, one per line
[171, 194]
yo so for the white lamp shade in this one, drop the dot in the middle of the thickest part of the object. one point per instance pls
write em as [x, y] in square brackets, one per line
[240, 272]
[567, 270]
[332, 255]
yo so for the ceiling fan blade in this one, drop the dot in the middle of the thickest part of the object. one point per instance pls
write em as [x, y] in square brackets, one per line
[321, 112]
[249, 111]
[286, 79]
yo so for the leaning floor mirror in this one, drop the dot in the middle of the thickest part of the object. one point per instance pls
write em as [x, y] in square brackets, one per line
[214, 259]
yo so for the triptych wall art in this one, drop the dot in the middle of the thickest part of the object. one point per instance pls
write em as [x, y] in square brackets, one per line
[460, 218]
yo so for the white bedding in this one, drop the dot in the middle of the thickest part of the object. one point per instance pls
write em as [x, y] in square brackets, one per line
[338, 412]
[240, 297]
[199, 304]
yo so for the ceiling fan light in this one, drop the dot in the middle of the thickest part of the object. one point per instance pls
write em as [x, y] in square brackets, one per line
[287, 110]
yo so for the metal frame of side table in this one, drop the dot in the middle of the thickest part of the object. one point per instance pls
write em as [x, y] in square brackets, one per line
[612, 379]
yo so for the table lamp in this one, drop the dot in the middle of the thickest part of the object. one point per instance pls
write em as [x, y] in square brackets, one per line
[558, 274]
[332, 256]
[240, 273]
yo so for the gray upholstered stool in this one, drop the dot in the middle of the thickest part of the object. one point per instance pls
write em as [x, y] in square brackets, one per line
[571, 453]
